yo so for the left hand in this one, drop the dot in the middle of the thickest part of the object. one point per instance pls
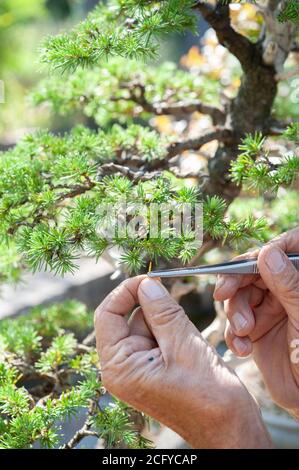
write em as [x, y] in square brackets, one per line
[158, 362]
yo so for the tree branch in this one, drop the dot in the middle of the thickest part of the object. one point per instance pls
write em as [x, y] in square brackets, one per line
[218, 18]
[221, 134]
[113, 169]
[133, 175]
[137, 94]
[181, 108]
[190, 174]
[276, 127]
[75, 191]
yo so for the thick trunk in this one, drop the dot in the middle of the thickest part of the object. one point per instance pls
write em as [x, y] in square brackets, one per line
[251, 110]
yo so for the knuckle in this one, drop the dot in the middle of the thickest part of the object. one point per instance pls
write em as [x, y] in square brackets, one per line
[125, 348]
[118, 381]
[113, 380]
[107, 380]
[170, 313]
[290, 285]
[97, 315]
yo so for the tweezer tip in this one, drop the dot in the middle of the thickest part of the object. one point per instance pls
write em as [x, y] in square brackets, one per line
[152, 274]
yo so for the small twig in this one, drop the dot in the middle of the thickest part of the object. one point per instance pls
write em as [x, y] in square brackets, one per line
[277, 127]
[81, 434]
[85, 430]
[29, 372]
[83, 348]
[133, 175]
[90, 339]
[39, 215]
[42, 400]
[76, 191]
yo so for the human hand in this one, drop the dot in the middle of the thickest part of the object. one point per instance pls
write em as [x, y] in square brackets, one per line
[263, 317]
[158, 362]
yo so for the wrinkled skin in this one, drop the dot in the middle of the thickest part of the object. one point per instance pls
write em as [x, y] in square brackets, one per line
[158, 362]
[263, 317]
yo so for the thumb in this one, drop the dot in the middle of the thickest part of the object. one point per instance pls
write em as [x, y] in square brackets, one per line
[282, 279]
[165, 317]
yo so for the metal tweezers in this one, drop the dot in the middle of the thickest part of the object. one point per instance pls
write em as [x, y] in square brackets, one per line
[244, 266]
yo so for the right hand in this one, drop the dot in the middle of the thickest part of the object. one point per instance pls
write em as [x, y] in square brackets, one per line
[263, 317]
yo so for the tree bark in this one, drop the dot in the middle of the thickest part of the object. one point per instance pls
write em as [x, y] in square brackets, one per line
[251, 110]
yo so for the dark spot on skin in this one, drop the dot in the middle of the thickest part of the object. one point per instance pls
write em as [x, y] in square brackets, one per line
[150, 359]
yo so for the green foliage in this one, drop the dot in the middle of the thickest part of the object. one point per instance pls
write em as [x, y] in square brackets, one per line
[290, 12]
[57, 354]
[53, 189]
[51, 212]
[52, 186]
[292, 133]
[112, 90]
[47, 380]
[239, 230]
[127, 29]
[255, 168]
[281, 212]
[117, 429]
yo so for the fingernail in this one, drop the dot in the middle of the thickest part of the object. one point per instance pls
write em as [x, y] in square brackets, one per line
[275, 260]
[241, 345]
[239, 322]
[152, 289]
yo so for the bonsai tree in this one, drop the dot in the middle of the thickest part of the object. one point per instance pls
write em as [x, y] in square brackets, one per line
[146, 121]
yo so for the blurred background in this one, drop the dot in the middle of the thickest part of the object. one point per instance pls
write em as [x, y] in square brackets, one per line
[23, 24]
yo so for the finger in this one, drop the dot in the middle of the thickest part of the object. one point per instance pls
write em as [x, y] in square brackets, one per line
[288, 241]
[138, 325]
[110, 323]
[268, 314]
[163, 314]
[242, 347]
[260, 311]
[228, 284]
[239, 310]
[282, 279]
[129, 346]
